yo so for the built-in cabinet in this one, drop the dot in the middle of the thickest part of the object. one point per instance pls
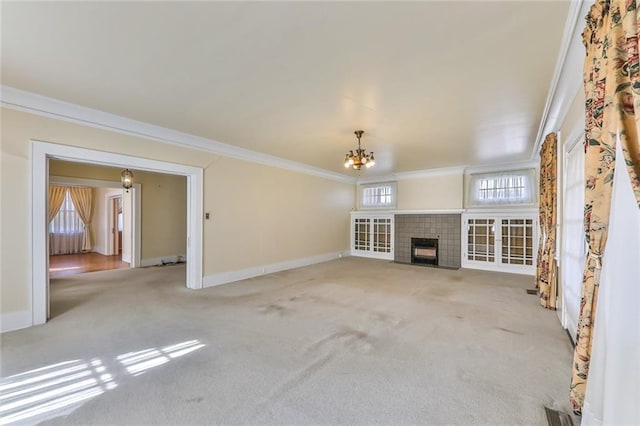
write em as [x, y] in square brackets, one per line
[372, 235]
[504, 242]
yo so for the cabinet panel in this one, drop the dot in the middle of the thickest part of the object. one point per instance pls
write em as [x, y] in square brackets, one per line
[517, 241]
[362, 233]
[372, 236]
[382, 235]
[481, 240]
[501, 242]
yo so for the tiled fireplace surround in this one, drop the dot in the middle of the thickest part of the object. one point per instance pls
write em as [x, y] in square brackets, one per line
[444, 227]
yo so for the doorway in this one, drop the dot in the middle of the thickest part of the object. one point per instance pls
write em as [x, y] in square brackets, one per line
[115, 225]
[67, 253]
[42, 152]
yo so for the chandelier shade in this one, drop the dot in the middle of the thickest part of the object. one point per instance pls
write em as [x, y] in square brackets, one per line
[126, 177]
[359, 158]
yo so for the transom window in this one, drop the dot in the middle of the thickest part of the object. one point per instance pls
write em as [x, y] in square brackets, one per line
[378, 195]
[511, 187]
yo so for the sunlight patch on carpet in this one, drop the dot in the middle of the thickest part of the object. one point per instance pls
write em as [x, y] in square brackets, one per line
[59, 389]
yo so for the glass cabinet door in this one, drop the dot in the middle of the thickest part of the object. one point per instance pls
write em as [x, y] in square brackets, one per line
[481, 240]
[517, 241]
[372, 236]
[382, 235]
[362, 229]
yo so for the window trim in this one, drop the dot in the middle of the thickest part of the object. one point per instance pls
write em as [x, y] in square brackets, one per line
[362, 187]
[472, 188]
[54, 228]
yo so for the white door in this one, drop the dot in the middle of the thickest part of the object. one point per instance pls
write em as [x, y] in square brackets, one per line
[573, 253]
[127, 225]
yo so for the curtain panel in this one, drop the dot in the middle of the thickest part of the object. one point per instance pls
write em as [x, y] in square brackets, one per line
[66, 229]
[56, 198]
[612, 96]
[82, 198]
[546, 277]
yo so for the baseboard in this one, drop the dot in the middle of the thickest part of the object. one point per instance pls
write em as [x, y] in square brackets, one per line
[11, 321]
[243, 274]
[101, 250]
[158, 261]
[509, 269]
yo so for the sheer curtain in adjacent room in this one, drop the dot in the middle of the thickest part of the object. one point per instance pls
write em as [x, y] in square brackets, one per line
[82, 198]
[66, 230]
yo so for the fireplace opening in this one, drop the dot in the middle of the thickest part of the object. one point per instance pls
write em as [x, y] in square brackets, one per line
[424, 251]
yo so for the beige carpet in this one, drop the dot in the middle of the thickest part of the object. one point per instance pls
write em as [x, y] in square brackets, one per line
[343, 342]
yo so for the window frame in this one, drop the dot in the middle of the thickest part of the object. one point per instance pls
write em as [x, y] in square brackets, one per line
[391, 205]
[67, 208]
[529, 198]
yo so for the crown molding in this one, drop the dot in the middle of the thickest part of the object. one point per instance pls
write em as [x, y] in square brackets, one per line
[33, 103]
[567, 76]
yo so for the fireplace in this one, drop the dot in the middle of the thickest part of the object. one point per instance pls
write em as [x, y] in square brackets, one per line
[445, 228]
[424, 251]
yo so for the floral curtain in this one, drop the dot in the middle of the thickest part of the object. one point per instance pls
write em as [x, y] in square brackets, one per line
[612, 93]
[546, 277]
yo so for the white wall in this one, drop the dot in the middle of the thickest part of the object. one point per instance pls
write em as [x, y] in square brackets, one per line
[263, 216]
[101, 228]
[431, 192]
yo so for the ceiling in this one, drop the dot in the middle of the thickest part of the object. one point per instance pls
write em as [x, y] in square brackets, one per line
[432, 84]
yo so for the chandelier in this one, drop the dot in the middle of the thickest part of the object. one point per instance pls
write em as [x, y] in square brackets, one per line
[360, 157]
[126, 177]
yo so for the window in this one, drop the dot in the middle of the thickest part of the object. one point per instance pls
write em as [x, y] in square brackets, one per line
[66, 229]
[120, 216]
[67, 220]
[378, 195]
[512, 187]
[574, 245]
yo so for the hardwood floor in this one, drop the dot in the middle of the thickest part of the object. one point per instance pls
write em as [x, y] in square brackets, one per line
[69, 264]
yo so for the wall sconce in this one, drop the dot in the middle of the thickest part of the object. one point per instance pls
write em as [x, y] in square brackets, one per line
[126, 177]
